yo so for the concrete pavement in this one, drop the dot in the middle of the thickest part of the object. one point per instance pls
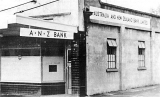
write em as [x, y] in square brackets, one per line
[149, 91]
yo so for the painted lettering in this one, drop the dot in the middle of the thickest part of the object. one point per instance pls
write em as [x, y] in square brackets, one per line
[48, 33]
[31, 33]
[60, 35]
[101, 14]
[45, 33]
[127, 19]
[113, 16]
[144, 22]
[39, 33]
[65, 35]
[55, 34]
[136, 20]
[119, 17]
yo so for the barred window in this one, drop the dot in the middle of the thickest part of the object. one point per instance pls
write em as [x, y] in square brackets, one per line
[111, 53]
[141, 54]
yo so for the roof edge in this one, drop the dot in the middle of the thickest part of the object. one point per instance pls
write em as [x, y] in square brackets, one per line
[128, 9]
[51, 15]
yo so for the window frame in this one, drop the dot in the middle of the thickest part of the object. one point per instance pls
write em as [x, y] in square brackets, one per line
[141, 55]
[20, 46]
[111, 55]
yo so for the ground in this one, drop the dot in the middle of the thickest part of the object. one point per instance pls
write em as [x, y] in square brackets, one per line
[149, 91]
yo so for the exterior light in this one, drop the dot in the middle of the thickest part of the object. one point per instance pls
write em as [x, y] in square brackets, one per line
[19, 57]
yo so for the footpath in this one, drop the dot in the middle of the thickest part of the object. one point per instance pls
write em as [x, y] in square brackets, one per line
[148, 91]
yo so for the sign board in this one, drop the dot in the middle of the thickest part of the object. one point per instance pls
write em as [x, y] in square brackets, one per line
[120, 18]
[45, 33]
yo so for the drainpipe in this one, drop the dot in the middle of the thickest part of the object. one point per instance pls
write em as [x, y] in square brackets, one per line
[86, 14]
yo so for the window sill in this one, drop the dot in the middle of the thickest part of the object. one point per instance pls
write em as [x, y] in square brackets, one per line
[111, 70]
[141, 68]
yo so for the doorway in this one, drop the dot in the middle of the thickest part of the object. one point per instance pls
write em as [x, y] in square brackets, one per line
[68, 68]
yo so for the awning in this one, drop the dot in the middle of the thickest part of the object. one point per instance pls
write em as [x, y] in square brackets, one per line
[10, 25]
[112, 43]
[141, 45]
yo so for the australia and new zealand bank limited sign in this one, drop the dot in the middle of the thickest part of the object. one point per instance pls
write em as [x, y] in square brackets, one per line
[120, 18]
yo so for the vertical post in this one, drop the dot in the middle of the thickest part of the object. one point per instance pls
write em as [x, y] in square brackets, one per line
[152, 34]
[84, 49]
[0, 63]
[65, 71]
[41, 68]
[122, 31]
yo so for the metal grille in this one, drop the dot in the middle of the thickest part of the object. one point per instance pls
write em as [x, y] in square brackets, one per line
[141, 57]
[111, 56]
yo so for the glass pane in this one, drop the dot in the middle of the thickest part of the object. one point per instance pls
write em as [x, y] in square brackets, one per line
[69, 55]
[52, 51]
[52, 42]
[114, 65]
[22, 52]
[35, 52]
[20, 42]
[143, 46]
[140, 51]
[110, 43]
[52, 68]
[114, 43]
[52, 47]
[139, 45]
[113, 57]
[30, 52]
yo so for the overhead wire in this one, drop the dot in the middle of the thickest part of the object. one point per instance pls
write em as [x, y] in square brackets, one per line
[35, 7]
[18, 5]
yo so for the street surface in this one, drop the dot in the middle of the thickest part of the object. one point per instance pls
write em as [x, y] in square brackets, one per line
[152, 91]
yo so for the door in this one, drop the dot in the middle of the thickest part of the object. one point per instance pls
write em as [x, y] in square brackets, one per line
[68, 70]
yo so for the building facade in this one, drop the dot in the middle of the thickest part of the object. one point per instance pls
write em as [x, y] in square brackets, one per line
[78, 47]
[122, 48]
[40, 47]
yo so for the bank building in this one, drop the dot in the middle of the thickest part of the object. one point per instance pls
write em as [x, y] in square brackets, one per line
[77, 47]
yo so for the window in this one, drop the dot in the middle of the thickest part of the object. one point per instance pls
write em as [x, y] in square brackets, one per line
[141, 54]
[111, 53]
[52, 47]
[20, 46]
[52, 68]
[69, 55]
[31, 46]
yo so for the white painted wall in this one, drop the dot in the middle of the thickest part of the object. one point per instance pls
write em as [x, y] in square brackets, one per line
[156, 59]
[53, 76]
[28, 69]
[98, 80]
[61, 6]
[131, 77]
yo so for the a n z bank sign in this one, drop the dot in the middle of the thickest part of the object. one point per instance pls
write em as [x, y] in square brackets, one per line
[120, 18]
[46, 33]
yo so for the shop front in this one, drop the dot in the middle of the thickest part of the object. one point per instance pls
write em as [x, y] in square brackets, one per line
[36, 57]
